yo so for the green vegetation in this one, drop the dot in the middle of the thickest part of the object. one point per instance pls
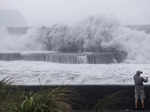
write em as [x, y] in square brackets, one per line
[8, 98]
[15, 99]
[54, 99]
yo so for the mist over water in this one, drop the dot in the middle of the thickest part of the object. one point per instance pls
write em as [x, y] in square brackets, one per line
[24, 42]
[93, 31]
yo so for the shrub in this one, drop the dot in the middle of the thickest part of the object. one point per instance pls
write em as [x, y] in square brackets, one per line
[55, 100]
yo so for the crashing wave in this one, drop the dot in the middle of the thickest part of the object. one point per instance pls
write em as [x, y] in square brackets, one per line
[96, 34]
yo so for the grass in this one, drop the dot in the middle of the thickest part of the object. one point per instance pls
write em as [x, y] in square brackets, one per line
[13, 99]
[55, 99]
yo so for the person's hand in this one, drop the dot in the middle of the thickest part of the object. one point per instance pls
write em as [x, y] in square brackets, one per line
[147, 78]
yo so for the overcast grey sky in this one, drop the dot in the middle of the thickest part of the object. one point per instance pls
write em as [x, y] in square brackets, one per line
[46, 12]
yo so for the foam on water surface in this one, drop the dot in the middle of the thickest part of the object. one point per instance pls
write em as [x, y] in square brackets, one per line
[46, 73]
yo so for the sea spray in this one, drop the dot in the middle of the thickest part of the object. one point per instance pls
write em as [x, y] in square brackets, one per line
[135, 43]
[94, 34]
[26, 42]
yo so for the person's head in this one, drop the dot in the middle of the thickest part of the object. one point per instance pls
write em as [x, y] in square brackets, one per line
[138, 72]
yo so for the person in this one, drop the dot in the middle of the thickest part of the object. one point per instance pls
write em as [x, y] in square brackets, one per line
[139, 88]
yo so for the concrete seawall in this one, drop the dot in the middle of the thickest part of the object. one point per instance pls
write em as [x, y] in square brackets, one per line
[9, 56]
[71, 58]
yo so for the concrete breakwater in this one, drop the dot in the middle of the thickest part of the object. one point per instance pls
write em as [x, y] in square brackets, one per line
[71, 58]
[10, 56]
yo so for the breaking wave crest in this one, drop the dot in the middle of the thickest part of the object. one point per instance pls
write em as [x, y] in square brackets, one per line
[94, 33]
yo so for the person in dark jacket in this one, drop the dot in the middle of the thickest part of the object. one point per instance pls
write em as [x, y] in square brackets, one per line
[139, 88]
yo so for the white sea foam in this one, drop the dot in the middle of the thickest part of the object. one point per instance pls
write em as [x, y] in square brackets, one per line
[135, 43]
[46, 73]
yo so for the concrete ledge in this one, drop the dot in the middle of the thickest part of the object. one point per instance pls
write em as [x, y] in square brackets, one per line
[70, 58]
[10, 56]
